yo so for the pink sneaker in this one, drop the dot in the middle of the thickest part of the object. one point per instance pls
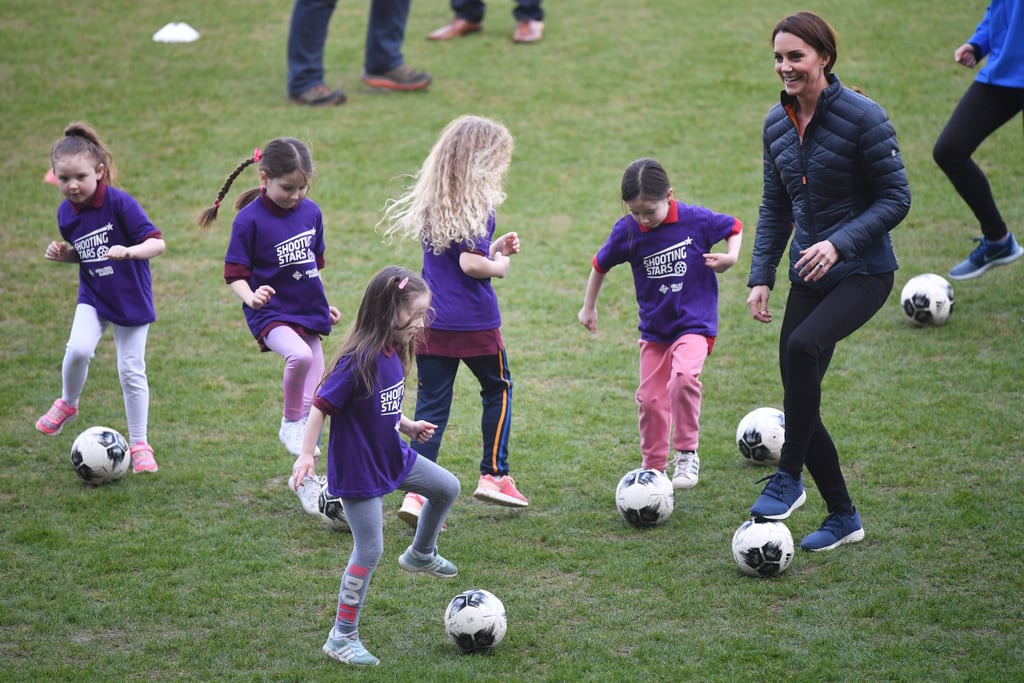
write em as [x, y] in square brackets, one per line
[412, 505]
[142, 458]
[500, 490]
[59, 414]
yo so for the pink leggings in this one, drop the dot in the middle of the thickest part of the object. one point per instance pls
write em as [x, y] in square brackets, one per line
[669, 394]
[303, 367]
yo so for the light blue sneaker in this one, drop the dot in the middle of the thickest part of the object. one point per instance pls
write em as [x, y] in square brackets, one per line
[435, 566]
[836, 530]
[782, 494]
[348, 650]
[987, 255]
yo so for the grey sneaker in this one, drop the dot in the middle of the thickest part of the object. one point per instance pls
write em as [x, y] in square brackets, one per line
[348, 650]
[319, 96]
[687, 470]
[435, 566]
[402, 77]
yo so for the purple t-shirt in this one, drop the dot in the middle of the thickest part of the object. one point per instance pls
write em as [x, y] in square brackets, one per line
[120, 291]
[461, 303]
[280, 248]
[366, 456]
[677, 293]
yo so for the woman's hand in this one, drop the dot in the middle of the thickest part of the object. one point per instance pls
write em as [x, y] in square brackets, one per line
[816, 260]
[757, 303]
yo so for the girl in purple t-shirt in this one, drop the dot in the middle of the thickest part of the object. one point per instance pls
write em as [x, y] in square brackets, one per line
[273, 264]
[668, 246]
[366, 456]
[450, 211]
[109, 235]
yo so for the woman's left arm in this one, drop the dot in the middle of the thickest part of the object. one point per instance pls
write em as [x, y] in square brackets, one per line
[886, 182]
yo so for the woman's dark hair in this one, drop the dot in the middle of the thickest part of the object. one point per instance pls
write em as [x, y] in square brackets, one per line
[813, 30]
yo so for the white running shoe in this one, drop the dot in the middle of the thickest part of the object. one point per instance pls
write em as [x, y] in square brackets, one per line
[291, 434]
[687, 470]
[308, 493]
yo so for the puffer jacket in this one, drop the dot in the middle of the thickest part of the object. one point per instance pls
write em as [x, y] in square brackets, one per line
[844, 182]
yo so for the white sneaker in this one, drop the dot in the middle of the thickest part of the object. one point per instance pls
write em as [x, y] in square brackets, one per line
[308, 493]
[291, 434]
[687, 469]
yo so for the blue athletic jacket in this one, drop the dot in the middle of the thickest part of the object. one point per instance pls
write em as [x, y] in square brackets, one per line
[1000, 38]
[844, 182]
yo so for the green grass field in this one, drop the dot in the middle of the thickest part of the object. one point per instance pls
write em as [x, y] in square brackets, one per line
[210, 570]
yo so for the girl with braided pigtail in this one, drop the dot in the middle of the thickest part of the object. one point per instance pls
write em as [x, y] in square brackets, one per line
[273, 263]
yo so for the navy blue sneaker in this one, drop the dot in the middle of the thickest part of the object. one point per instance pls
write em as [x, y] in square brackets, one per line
[987, 255]
[782, 494]
[836, 530]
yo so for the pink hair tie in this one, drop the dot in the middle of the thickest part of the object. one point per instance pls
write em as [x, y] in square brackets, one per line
[403, 283]
[216, 204]
[256, 155]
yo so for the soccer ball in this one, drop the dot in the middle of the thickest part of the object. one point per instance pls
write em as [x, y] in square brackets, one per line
[332, 510]
[644, 497]
[475, 620]
[762, 548]
[760, 435]
[99, 455]
[927, 300]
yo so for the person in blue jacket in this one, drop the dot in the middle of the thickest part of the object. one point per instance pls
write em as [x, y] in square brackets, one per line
[834, 181]
[994, 97]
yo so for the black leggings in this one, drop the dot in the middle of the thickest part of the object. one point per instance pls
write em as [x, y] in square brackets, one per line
[982, 110]
[813, 323]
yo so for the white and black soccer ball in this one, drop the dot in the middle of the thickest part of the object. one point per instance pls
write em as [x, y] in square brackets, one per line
[762, 548]
[100, 455]
[331, 509]
[645, 497]
[475, 620]
[927, 300]
[760, 435]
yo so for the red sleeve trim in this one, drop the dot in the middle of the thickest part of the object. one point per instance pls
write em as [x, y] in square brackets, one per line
[596, 266]
[324, 406]
[737, 227]
[236, 271]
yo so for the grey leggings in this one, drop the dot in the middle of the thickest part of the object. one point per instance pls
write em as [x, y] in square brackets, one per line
[366, 516]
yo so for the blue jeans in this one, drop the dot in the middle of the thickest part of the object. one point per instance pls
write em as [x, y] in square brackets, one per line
[385, 33]
[434, 403]
[473, 10]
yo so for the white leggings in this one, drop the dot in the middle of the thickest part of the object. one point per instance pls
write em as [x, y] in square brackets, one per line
[130, 342]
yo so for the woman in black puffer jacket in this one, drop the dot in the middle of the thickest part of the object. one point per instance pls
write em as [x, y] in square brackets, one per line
[833, 181]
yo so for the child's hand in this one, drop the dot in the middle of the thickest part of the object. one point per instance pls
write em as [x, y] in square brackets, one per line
[119, 252]
[588, 318]
[507, 244]
[261, 296]
[305, 466]
[719, 262]
[59, 251]
[335, 314]
[421, 430]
